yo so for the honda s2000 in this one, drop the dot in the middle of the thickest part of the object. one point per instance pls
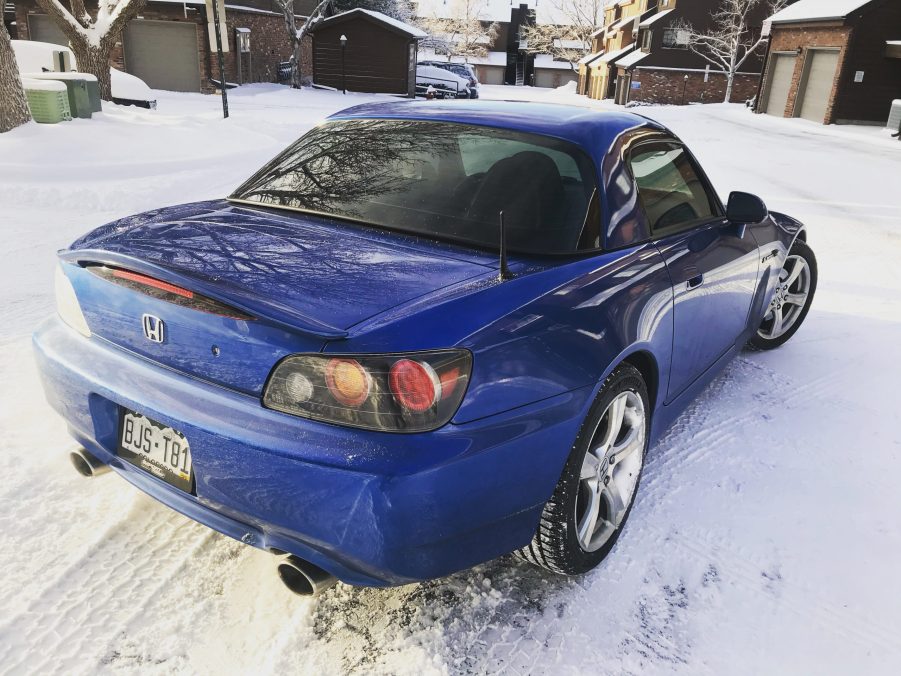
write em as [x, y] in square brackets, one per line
[425, 335]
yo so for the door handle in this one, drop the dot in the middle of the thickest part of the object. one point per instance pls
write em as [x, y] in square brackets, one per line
[695, 282]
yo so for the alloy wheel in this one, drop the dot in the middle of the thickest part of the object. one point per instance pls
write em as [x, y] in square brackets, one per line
[788, 303]
[610, 471]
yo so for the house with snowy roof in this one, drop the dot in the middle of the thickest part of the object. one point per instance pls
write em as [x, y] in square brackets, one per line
[642, 54]
[834, 61]
[508, 59]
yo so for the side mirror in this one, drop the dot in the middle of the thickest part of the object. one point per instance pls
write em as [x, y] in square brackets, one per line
[745, 208]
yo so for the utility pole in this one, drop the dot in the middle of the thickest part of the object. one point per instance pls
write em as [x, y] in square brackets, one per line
[218, 32]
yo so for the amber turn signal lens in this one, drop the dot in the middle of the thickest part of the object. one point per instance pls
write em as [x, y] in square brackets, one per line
[348, 381]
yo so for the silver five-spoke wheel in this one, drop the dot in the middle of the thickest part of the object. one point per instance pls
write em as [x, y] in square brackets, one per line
[789, 300]
[610, 471]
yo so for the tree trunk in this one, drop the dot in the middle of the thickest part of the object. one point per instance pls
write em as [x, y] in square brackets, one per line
[296, 70]
[95, 60]
[13, 106]
[730, 80]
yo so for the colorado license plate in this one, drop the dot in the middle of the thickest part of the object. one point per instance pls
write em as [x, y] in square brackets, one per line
[160, 450]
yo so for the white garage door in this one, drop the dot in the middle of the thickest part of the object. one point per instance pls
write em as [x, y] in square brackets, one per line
[163, 54]
[781, 72]
[817, 90]
[43, 29]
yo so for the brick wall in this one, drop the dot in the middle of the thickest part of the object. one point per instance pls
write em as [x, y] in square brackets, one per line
[666, 86]
[805, 38]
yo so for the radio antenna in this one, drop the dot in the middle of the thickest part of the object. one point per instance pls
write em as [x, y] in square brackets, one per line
[504, 272]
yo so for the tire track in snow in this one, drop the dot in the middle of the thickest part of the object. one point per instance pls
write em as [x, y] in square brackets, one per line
[804, 601]
[121, 571]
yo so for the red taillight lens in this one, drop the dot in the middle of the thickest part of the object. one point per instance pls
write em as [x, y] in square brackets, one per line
[348, 381]
[152, 283]
[414, 384]
[387, 392]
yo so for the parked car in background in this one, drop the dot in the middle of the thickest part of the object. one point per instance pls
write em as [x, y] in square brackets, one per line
[463, 70]
[444, 83]
[453, 338]
[37, 57]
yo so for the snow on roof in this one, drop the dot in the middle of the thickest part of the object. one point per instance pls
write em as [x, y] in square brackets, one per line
[412, 31]
[569, 44]
[588, 58]
[491, 59]
[631, 59]
[546, 11]
[548, 61]
[621, 24]
[650, 21]
[614, 55]
[817, 10]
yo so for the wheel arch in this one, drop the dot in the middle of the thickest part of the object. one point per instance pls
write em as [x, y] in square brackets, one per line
[646, 364]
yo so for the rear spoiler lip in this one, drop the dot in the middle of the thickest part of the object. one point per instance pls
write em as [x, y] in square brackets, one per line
[244, 300]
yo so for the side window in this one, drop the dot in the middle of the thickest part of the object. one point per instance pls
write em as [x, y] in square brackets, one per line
[670, 190]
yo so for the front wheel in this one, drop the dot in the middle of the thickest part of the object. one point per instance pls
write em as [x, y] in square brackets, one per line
[585, 515]
[794, 293]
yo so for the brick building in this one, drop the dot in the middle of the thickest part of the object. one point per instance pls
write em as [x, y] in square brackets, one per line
[640, 54]
[168, 44]
[834, 61]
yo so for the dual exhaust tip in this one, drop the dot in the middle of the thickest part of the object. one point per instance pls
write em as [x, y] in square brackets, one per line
[301, 577]
[86, 464]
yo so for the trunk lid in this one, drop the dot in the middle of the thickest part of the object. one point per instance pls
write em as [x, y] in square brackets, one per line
[305, 280]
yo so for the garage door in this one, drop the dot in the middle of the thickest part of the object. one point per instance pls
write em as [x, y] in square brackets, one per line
[817, 89]
[781, 72]
[42, 28]
[163, 54]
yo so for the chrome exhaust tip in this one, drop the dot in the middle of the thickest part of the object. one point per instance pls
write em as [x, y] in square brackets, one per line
[304, 578]
[86, 464]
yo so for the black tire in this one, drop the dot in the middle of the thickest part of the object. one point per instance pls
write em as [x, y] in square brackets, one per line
[759, 342]
[555, 545]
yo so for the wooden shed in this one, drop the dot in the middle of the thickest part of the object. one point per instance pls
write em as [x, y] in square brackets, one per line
[379, 56]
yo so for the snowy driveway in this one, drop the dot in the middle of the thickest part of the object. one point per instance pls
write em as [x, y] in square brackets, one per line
[765, 537]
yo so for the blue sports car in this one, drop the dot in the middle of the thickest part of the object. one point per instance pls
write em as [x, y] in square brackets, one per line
[423, 336]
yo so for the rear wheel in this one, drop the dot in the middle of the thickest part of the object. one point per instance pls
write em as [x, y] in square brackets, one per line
[585, 515]
[791, 302]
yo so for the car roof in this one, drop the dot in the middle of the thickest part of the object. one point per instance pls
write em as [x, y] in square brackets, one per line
[593, 129]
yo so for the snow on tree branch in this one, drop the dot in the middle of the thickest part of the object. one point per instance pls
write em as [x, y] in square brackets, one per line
[463, 33]
[569, 41]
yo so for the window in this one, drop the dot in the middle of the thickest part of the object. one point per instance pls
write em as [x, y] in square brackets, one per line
[437, 179]
[670, 190]
[646, 40]
[675, 38]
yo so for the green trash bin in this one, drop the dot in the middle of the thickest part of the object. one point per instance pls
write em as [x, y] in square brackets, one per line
[77, 89]
[48, 100]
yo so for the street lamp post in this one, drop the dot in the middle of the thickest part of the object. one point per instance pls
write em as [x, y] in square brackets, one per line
[343, 40]
[684, 85]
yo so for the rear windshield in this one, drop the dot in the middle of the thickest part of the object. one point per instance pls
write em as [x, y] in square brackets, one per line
[443, 180]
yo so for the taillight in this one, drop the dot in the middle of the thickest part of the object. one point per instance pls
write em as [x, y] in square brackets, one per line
[391, 392]
[414, 384]
[347, 381]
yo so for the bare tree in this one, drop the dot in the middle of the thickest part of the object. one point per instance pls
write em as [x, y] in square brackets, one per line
[730, 40]
[92, 37]
[13, 106]
[296, 35]
[464, 32]
[567, 41]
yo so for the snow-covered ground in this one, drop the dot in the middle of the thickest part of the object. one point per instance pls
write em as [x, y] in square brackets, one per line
[765, 537]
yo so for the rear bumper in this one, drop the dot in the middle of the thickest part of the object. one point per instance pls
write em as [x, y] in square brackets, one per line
[372, 508]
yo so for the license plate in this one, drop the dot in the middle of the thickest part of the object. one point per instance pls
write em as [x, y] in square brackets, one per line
[155, 448]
